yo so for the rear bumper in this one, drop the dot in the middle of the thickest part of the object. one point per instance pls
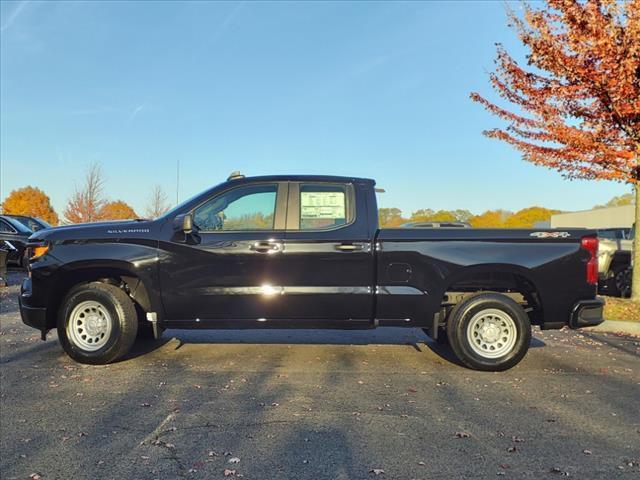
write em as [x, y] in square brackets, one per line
[587, 313]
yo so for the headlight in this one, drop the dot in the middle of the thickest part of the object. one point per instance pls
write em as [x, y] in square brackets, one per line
[36, 250]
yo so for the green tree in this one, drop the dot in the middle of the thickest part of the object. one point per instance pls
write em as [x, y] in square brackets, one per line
[626, 199]
[390, 217]
[429, 215]
[527, 217]
[491, 219]
[462, 215]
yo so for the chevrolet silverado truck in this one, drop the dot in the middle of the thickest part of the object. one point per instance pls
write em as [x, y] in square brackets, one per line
[305, 252]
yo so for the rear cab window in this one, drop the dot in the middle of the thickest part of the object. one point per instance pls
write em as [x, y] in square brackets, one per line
[320, 206]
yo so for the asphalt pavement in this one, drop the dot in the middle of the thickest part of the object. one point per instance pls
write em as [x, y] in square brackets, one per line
[303, 404]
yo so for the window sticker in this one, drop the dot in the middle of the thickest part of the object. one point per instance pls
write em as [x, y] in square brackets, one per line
[322, 205]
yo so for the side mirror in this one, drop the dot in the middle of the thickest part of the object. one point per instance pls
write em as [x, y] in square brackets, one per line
[183, 223]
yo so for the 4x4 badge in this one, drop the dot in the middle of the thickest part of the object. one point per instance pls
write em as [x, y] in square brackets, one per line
[550, 234]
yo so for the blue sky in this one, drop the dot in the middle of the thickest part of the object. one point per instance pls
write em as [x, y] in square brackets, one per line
[366, 89]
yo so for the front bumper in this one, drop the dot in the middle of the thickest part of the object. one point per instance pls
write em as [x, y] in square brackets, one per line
[587, 313]
[32, 316]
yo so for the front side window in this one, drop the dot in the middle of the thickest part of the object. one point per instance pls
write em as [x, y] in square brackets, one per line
[322, 206]
[244, 208]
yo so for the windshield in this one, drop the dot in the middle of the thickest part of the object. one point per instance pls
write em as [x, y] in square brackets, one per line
[180, 206]
[17, 225]
[34, 224]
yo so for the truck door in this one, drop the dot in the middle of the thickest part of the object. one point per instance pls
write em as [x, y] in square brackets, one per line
[233, 264]
[329, 257]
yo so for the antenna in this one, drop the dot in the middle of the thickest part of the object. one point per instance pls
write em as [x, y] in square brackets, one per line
[178, 181]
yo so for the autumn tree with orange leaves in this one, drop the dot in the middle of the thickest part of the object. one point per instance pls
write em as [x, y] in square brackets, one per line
[87, 200]
[32, 202]
[577, 102]
[117, 210]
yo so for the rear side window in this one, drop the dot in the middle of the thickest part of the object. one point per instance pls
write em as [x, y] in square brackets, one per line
[243, 208]
[322, 206]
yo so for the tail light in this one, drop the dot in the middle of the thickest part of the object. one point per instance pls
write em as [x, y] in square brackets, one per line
[590, 244]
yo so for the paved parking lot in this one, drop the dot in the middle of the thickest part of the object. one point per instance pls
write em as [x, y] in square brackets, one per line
[316, 405]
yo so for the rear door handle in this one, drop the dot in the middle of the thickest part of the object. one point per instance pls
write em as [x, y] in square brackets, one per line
[267, 246]
[349, 247]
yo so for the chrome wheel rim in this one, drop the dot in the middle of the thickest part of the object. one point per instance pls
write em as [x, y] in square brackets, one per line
[89, 325]
[492, 333]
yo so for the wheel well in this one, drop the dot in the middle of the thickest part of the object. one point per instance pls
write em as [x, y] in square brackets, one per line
[514, 285]
[123, 279]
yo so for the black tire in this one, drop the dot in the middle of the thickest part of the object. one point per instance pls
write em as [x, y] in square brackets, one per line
[470, 310]
[124, 322]
[621, 280]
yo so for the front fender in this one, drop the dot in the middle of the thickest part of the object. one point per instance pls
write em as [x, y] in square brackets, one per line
[72, 263]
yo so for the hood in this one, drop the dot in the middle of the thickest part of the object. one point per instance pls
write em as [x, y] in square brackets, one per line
[96, 230]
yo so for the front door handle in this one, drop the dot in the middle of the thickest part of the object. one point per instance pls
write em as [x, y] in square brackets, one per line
[267, 246]
[349, 247]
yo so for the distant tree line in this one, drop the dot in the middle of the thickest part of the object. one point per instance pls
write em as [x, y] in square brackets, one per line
[87, 203]
[525, 218]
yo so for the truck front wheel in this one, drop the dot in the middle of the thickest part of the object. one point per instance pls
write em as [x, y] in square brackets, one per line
[97, 323]
[489, 331]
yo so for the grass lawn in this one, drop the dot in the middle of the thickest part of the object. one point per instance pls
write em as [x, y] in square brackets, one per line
[621, 309]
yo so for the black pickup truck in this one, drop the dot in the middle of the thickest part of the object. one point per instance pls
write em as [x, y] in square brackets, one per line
[305, 252]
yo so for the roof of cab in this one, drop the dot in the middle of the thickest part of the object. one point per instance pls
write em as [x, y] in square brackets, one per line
[302, 178]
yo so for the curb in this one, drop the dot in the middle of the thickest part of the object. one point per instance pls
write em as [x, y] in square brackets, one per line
[617, 326]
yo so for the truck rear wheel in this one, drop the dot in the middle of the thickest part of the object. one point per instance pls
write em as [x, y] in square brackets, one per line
[97, 323]
[489, 331]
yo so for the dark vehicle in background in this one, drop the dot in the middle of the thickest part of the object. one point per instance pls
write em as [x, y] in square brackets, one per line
[614, 233]
[306, 252]
[436, 225]
[32, 223]
[4, 251]
[615, 267]
[15, 234]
